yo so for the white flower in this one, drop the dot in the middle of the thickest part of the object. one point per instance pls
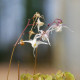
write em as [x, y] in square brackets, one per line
[43, 35]
[57, 27]
[39, 24]
[34, 43]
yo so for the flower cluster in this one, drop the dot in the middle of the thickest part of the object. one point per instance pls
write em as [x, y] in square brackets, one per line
[42, 36]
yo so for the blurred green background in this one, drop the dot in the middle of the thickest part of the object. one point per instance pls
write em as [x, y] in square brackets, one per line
[64, 53]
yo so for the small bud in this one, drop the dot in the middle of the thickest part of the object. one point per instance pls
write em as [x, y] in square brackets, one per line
[21, 42]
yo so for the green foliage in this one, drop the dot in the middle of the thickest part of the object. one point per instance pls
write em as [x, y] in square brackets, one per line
[69, 76]
[58, 76]
[26, 76]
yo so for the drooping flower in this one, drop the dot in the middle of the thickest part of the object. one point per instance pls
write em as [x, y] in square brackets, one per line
[57, 27]
[35, 43]
[31, 33]
[44, 35]
[37, 15]
[39, 24]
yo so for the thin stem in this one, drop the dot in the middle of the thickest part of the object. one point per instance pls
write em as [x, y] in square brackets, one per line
[30, 24]
[10, 62]
[34, 23]
[35, 62]
[18, 71]
[49, 25]
[22, 32]
[15, 46]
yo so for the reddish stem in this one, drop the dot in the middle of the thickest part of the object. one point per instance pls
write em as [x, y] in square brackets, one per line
[49, 25]
[30, 24]
[22, 32]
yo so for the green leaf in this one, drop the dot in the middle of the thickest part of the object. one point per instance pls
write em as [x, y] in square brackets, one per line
[69, 76]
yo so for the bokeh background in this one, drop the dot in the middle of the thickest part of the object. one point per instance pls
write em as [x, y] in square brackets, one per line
[64, 53]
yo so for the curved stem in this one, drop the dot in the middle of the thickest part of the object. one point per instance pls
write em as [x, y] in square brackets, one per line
[16, 45]
[10, 62]
[22, 33]
[50, 25]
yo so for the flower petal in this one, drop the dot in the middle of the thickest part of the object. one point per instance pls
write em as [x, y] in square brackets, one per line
[68, 28]
[40, 42]
[30, 41]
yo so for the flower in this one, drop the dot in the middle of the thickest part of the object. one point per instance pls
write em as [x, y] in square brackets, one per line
[39, 24]
[37, 15]
[44, 35]
[34, 43]
[57, 27]
[31, 33]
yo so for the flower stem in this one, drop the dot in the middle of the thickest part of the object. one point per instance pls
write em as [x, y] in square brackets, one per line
[18, 71]
[35, 62]
[49, 25]
[34, 22]
[10, 62]
[15, 47]
[22, 32]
